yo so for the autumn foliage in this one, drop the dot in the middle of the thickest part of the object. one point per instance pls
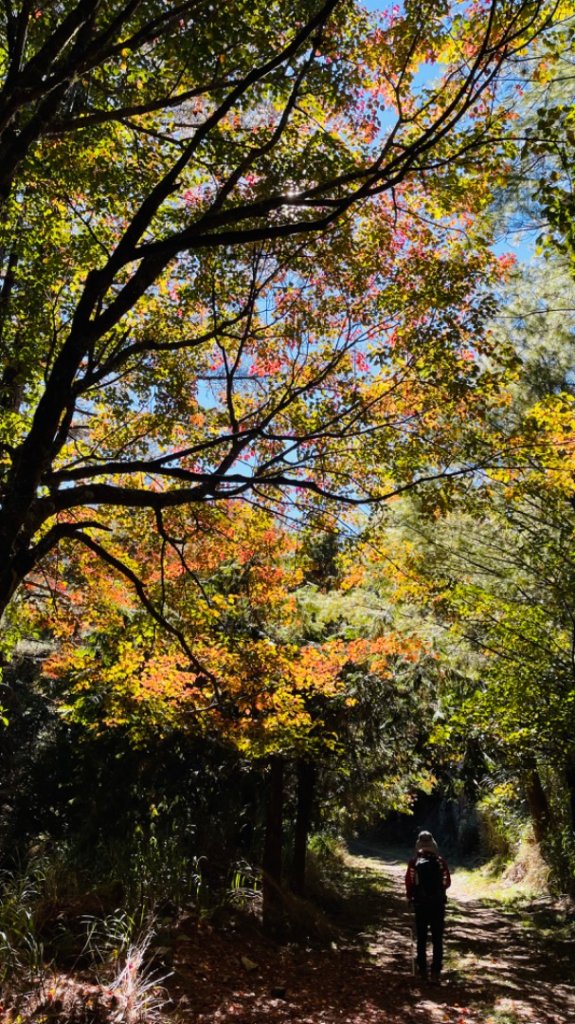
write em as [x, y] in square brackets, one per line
[237, 664]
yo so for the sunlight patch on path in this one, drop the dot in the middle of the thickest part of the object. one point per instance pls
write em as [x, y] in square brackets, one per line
[497, 972]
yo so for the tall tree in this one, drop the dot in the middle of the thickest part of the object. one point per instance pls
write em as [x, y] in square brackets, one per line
[164, 175]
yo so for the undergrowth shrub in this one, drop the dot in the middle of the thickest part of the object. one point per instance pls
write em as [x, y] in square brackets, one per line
[244, 884]
[21, 947]
[528, 866]
[46, 936]
[558, 847]
[501, 821]
[326, 872]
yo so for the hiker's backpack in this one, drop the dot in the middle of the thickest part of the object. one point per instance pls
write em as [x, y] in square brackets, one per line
[429, 886]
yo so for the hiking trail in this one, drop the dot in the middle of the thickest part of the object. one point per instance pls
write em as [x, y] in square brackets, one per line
[502, 966]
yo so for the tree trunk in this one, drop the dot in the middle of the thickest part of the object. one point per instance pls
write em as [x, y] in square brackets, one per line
[570, 782]
[305, 794]
[538, 807]
[273, 848]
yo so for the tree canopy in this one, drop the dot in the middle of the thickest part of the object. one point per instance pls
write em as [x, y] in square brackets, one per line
[239, 256]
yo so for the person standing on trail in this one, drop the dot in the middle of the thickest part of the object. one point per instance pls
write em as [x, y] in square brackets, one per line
[426, 882]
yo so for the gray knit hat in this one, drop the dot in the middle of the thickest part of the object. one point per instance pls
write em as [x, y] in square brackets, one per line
[426, 842]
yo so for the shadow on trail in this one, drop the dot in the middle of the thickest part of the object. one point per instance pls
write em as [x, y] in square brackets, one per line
[514, 966]
[495, 961]
[496, 972]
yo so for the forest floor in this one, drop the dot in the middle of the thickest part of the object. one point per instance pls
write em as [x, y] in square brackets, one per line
[508, 961]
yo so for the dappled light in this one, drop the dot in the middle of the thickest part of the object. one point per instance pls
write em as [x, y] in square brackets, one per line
[493, 967]
[287, 512]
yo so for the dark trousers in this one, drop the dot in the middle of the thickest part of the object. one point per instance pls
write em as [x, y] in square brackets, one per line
[430, 917]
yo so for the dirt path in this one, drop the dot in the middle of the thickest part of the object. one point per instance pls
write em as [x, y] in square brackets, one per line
[497, 971]
[497, 967]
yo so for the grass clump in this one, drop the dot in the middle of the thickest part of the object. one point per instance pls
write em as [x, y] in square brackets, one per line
[65, 959]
